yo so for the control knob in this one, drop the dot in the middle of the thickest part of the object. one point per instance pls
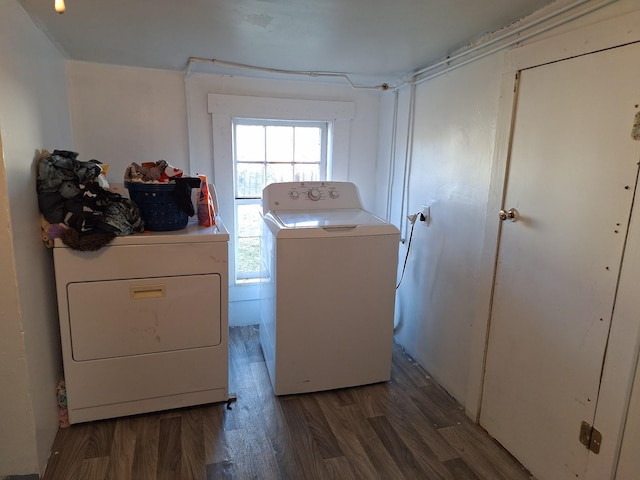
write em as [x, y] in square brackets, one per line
[293, 194]
[314, 194]
[334, 194]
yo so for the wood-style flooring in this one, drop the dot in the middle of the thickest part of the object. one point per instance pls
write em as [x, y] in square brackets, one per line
[407, 428]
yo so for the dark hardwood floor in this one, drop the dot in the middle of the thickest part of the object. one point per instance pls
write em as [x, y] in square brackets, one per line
[408, 428]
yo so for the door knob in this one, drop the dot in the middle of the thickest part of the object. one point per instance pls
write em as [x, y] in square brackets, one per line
[511, 215]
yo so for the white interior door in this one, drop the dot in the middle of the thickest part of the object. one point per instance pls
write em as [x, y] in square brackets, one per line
[571, 178]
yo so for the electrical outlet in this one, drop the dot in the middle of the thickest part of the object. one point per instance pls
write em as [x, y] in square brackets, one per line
[425, 215]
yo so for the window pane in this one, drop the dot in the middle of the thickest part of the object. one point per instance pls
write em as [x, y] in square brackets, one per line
[307, 144]
[249, 180]
[248, 255]
[266, 152]
[249, 220]
[307, 173]
[279, 144]
[279, 173]
[249, 143]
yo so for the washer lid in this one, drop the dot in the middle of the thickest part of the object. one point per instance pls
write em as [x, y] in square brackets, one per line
[345, 218]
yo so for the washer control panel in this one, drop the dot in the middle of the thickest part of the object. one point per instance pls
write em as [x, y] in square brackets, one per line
[310, 196]
[314, 192]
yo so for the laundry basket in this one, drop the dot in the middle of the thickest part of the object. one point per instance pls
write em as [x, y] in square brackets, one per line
[157, 207]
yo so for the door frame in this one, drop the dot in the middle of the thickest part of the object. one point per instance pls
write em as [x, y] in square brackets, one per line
[624, 341]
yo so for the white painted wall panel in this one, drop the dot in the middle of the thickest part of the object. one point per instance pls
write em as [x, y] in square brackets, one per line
[395, 110]
[33, 115]
[17, 437]
[125, 114]
[452, 153]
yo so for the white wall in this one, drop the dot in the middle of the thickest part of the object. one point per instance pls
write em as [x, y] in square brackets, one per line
[393, 147]
[122, 115]
[33, 115]
[451, 157]
[18, 429]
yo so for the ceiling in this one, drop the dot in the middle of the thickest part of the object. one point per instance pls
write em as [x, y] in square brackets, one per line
[362, 37]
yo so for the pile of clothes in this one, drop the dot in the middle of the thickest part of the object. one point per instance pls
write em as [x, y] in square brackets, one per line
[152, 172]
[70, 194]
[161, 172]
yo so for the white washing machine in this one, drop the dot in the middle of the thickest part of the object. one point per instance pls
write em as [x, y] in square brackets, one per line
[327, 307]
[143, 322]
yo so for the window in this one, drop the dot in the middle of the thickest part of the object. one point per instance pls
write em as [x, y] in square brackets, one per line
[264, 152]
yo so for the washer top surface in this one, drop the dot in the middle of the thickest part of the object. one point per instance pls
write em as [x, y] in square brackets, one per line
[310, 209]
[192, 233]
[339, 218]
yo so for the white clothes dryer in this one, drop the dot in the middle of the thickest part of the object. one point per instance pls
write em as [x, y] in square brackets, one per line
[327, 306]
[144, 322]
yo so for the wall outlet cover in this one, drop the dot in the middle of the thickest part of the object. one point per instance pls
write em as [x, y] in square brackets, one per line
[426, 215]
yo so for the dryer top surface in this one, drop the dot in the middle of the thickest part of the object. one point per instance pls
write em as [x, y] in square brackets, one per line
[192, 233]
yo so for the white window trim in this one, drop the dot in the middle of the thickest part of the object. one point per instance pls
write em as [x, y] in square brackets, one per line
[223, 108]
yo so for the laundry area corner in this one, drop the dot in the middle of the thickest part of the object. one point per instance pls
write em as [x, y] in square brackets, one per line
[144, 315]
[311, 324]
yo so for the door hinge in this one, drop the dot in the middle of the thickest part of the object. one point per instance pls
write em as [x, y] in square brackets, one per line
[590, 437]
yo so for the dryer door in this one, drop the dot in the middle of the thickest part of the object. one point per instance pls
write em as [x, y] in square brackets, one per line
[118, 318]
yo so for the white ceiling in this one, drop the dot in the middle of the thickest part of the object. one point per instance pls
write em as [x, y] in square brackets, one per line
[361, 37]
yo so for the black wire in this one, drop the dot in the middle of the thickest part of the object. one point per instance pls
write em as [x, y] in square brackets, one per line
[407, 255]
